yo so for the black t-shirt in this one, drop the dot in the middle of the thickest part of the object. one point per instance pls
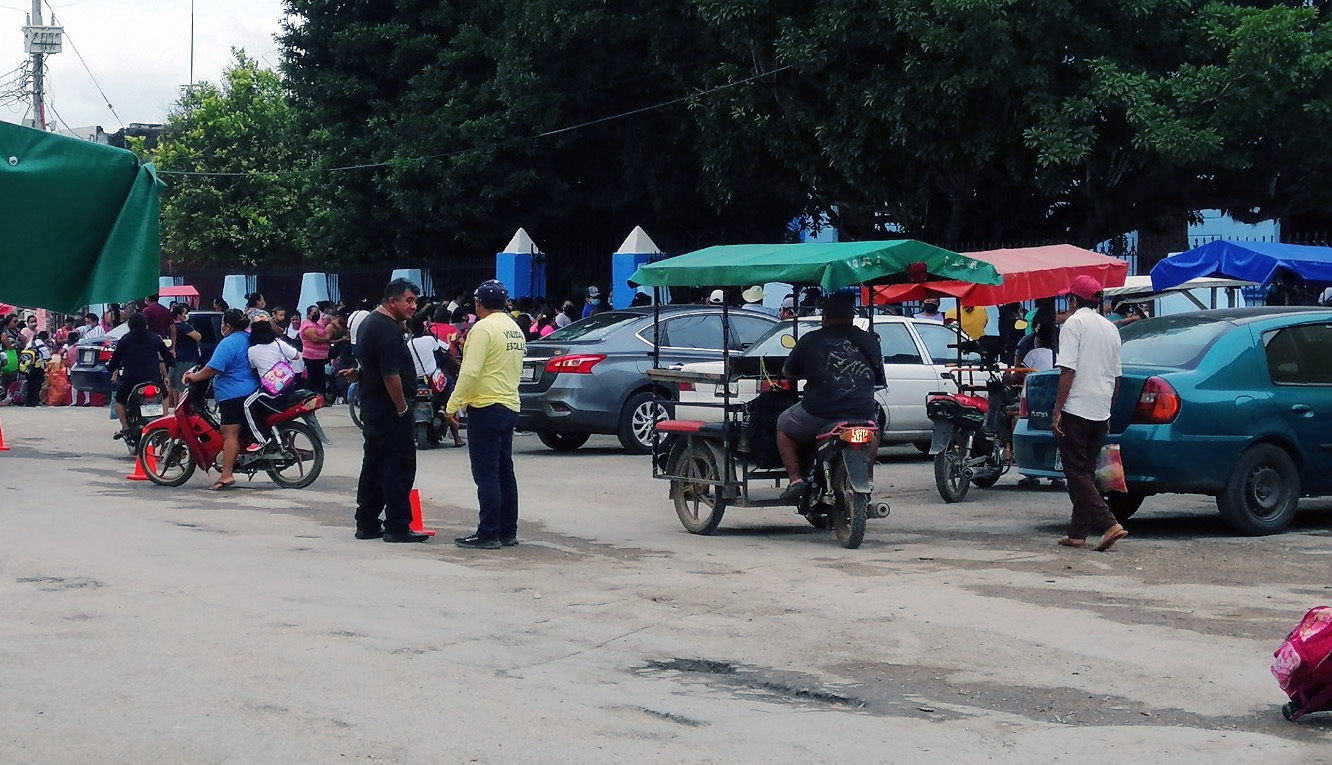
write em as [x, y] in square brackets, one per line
[137, 355]
[842, 365]
[187, 348]
[381, 349]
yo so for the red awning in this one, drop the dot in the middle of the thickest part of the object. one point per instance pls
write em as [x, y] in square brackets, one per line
[185, 291]
[1029, 273]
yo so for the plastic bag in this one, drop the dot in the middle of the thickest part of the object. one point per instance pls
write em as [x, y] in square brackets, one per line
[1110, 470]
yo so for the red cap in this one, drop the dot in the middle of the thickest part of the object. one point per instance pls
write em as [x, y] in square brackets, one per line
[1084, 287]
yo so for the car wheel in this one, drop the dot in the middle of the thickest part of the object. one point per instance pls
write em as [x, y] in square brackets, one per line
[1262, 493]
[922, 446]
[1122, 505]
[563, 442]
[638, 420]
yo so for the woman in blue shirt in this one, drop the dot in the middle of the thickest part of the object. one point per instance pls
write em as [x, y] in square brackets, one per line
[233, 381]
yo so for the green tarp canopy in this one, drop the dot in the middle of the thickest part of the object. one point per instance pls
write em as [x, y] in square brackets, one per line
[830, 265]
[78, 222]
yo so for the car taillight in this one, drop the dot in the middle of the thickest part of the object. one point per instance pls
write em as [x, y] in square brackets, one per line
[575, 364]
[686, 386]
[857, 435]
[104, 354]
[150, 391]
[1023, 411]
[1159, 403]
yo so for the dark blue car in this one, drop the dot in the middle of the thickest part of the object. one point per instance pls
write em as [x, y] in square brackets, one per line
[1236, 404]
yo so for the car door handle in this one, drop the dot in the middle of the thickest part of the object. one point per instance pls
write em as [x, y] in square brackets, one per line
[1303, 410]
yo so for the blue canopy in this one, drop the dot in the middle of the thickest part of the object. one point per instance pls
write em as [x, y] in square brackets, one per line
[1250, 261]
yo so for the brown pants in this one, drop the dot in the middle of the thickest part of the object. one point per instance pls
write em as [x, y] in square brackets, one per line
[1079, 447]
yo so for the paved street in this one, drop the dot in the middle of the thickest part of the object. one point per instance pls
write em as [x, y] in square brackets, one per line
[141, 624]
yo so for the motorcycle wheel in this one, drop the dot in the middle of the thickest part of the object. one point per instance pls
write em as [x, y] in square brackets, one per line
[700, 506]
[851, 511]
[301, 458]
[423, 436]
[948, 478]
[166, 460]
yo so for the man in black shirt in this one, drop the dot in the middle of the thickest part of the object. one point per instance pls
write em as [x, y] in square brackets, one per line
[139, 357]
[842, 365]
[388, 468]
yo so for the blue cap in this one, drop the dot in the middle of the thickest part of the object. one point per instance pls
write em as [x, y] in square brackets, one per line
[491, 294]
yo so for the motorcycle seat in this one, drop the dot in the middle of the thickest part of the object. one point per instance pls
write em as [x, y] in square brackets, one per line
[698, 427]
[962, 399]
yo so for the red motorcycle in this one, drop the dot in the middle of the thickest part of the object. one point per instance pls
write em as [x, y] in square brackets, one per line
[190, 437]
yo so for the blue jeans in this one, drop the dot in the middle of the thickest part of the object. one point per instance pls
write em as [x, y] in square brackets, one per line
[490, 446]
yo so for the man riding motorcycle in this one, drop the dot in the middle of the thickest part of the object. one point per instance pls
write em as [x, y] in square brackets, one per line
[842, 365]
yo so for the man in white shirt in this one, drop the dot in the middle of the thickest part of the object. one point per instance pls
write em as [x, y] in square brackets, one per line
[354, 324]
[1089, 362]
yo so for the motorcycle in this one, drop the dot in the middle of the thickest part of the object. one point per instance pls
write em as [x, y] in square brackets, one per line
[841, 480]
[430, 425]
[144, 403]
[190, 437]
[973, 436]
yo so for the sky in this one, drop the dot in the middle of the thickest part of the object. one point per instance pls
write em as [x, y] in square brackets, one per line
[139, 51]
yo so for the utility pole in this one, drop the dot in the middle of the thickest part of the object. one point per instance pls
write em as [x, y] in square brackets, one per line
[38, 105]
[40, 41]
[191, 43]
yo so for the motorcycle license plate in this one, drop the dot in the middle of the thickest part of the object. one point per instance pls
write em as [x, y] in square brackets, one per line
[151, 410]
[1059, 461]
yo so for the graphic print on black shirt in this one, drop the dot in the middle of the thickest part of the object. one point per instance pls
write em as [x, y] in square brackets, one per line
[842, 365]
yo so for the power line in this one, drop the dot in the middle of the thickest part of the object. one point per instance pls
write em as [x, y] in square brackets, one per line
[445, 155]
[75, 48]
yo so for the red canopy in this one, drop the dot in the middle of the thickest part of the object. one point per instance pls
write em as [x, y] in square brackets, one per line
[1029, 273]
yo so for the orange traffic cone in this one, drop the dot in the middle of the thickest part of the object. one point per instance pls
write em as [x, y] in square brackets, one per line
[138, 474]
[418, 525]
[3, 448]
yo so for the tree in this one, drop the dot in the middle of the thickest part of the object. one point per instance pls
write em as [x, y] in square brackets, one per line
[961, 120]
[460, 108]
[243, 126]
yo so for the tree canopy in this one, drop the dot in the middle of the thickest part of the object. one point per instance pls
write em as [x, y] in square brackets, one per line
[245, 129]
[442, 127]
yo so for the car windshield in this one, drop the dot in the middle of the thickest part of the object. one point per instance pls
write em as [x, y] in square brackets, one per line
[1176, 342]
[119, 332]
[595, 327]
[771, 342]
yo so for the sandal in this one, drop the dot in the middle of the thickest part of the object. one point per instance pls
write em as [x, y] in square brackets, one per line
[1114, 534]
[221, 486]
[1071, 542]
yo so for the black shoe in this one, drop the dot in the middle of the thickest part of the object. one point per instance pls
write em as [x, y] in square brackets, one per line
[475, 542]
[369, 534]
[795, 492]
[406, 536]
[509, 542]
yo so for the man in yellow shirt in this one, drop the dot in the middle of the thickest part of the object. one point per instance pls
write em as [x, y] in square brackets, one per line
[488, 386]
[973, 320]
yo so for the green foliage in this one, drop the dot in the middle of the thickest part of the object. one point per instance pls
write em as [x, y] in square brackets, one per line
[246, 126]
[951, 120]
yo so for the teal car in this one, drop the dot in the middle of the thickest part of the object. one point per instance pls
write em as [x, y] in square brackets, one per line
[1236, 404]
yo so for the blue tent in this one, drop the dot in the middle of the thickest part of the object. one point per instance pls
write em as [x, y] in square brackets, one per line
[1250, 261]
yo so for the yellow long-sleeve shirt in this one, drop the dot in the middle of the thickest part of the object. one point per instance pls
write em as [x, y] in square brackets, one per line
[492, 365]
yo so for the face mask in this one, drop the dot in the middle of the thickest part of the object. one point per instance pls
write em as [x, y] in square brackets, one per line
[596, 301]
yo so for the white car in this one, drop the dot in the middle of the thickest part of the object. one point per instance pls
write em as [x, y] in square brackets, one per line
[916, 360]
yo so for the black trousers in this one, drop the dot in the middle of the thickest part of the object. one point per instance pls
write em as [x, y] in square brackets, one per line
[1079, 448]
[490, 446]
[316, 376]
[388, 469]
[36, 376]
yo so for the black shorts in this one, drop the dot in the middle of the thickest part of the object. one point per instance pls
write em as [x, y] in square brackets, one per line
[232, 411]
[126, 387]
